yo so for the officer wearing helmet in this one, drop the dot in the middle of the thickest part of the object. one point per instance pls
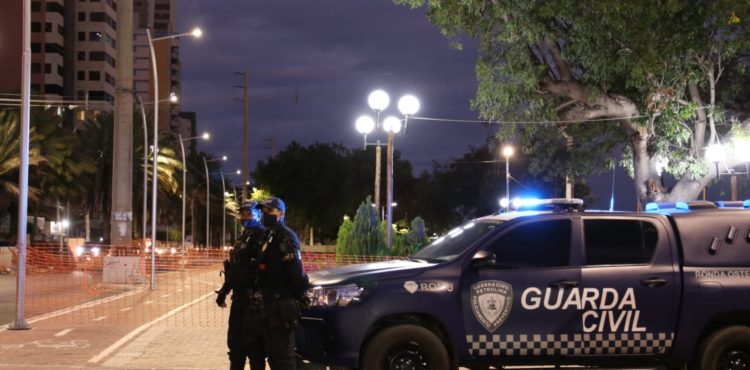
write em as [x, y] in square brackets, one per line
[241, 270]
[282, 283]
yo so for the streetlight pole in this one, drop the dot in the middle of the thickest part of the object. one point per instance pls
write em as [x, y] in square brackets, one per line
[205, 136]
[23, 173]
[195, 33]
[208, 196]
[223, 210]
[145, 167]
[507, 153]
[141, 105]
[234, 188]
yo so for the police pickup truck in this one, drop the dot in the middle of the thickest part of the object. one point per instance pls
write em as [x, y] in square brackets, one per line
[562, 286]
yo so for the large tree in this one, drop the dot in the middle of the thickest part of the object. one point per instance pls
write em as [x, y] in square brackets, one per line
[661, 79]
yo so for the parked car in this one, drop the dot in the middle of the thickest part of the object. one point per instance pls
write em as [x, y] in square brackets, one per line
[87, 252]
[560, 286]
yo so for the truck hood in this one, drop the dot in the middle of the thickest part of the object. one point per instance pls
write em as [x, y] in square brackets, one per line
[377, 271]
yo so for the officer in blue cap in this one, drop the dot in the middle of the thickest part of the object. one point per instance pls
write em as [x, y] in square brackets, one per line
[282, 283]
[241, 273]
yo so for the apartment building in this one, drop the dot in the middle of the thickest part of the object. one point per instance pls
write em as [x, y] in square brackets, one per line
[74, 54]
[47, 48]
[95, 50]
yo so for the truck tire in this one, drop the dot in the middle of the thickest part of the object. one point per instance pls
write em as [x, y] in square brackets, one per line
[405, 347]
[725, 349]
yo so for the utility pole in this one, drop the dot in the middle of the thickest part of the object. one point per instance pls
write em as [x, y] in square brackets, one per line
[121, 229]
[271, 146]
[245, 143]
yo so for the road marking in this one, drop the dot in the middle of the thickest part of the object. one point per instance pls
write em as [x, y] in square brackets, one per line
[143, 327]
[100, 318]
[63, 332]
[76, 308]
[126, 309]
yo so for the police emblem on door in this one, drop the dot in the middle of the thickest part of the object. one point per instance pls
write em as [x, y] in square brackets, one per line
[491, 301]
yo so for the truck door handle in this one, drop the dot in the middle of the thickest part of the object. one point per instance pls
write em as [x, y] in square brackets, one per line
[653, 282]
[563, 283]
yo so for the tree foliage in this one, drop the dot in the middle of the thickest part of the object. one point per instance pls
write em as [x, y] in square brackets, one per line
[320, 183]
[663, 79]
[365, 237]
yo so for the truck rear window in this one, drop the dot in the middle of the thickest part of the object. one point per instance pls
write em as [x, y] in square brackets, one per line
[617, 242]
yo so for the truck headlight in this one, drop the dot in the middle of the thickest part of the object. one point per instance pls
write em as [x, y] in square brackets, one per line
[332, 296]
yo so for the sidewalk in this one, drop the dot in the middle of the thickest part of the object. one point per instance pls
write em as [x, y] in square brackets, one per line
[139, 330]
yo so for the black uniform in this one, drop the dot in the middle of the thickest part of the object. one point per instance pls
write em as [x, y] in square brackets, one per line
[282, 283]
[244, 337]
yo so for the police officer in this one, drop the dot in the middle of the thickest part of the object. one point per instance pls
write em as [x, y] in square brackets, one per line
[282, 283]
[244, 337]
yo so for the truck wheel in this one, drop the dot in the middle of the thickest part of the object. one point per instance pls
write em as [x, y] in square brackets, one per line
[406, 347]
[726, 349]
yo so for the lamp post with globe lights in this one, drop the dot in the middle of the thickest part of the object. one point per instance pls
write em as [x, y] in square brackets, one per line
[208, 195]
[204, 136]
[378, 101]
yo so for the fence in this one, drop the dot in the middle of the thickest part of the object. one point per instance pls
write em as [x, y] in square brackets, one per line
[112, 284]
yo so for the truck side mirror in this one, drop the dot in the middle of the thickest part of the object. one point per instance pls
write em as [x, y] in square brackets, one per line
[483, 259]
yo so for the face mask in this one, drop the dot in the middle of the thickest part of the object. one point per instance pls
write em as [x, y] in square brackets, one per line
[249, 224]
[269, 220]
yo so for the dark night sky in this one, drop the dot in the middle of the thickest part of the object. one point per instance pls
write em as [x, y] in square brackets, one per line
[331, 55]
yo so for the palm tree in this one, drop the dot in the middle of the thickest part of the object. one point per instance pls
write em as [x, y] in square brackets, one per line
[10, 157]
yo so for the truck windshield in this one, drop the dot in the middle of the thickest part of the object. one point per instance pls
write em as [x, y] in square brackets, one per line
[450, 245]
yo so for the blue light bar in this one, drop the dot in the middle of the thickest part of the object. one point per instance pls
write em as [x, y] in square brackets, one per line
[679, 206]
[666, 206]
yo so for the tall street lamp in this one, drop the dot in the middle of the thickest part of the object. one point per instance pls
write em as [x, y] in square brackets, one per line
[208, 195]
[223, 210]
[173, 99]
[238, 201]
[195, 33]
[507, 153]
[205, 136]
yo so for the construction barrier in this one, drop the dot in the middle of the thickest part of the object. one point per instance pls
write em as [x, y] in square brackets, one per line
[121, 285]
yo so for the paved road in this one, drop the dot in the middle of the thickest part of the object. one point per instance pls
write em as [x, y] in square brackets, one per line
[168, 328]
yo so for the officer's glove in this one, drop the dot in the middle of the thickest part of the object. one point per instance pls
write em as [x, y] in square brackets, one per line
[221, 299]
